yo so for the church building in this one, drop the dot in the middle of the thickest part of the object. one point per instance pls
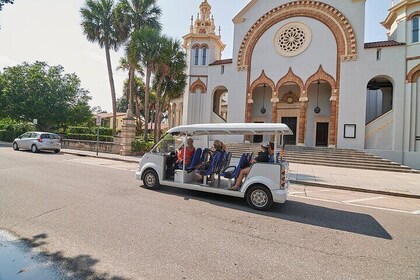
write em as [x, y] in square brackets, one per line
[305, 63]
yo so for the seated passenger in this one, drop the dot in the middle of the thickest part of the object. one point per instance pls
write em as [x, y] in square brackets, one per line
[189, 151]
[263, 156]
[271, 153]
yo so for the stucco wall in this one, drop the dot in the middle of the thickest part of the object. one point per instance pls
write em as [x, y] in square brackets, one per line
[323, 47]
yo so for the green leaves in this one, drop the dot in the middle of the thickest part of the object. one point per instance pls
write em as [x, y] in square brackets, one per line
[43, 92]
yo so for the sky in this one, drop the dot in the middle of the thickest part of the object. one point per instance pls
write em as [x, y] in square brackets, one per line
[49, 30]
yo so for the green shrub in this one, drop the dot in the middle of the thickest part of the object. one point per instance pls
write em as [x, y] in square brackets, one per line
[90, 130]
[141, 146]
[10, 129]
[89, 137]
[79, 130]
[103, 131]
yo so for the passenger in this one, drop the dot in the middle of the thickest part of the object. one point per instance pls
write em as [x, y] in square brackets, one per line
[189, 153]
[218, 147]
[263, 156]
[271, 153]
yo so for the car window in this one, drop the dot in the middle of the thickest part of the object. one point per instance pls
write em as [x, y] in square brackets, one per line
[54, 136]
[33, 135]
[25, 135]
[45, 136]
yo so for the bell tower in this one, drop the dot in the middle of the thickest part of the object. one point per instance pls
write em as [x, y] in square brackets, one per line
[203, 47]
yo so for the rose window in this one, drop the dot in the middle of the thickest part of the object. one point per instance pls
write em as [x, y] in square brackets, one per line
[292, 39]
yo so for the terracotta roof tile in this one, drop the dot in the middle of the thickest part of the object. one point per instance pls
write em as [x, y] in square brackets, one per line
[383, 44]
[221, 62]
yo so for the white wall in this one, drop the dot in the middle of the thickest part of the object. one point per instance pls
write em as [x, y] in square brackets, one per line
[323, 47]
[355, 76]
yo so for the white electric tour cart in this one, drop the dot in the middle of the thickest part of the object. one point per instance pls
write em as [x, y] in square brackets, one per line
[266, 182]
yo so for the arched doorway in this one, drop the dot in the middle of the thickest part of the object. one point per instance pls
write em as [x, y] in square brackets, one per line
[319, 110]
[220, 105]
[261, 108]
[288, 109]
[379, 98]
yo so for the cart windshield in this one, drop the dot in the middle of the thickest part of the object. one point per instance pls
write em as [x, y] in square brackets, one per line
[168, 144]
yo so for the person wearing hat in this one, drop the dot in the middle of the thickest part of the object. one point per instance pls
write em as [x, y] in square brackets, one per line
[263, 156]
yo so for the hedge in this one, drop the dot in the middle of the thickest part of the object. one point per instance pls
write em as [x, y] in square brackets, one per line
[11, 129]
[90, 130]
[89, 137]
[141, 146]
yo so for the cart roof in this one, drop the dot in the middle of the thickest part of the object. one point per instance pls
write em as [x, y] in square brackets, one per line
[232, 128]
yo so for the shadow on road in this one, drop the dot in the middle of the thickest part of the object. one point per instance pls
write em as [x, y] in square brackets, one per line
[79, 267]
[295, 211]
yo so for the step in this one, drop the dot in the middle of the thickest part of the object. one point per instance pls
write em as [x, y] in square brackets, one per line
[347, 158]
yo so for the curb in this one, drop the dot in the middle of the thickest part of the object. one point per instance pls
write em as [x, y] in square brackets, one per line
[356, 189]
[101, 157]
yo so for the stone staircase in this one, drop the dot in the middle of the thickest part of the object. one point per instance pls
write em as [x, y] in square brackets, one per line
[328, 157]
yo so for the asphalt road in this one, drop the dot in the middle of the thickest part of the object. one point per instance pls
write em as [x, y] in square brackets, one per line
[93, 216]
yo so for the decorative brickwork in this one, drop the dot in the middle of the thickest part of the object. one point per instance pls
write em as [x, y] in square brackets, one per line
[320, 75]
[302, 122]
[413, 74]
[262, 79]
[198, 84]
[331, 17]
[414, 14]
[289, 77]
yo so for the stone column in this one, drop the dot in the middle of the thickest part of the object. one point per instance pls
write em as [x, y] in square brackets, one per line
[333, 119]
[274, 113]
[128, 134]
[248, 115]
[302, 118]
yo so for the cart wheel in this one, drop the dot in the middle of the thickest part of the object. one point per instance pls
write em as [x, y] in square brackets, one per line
[259, 197]
[151, 180]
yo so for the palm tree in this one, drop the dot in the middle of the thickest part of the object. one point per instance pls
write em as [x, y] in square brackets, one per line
[99, 23]
[146, 44]
[170, 79]
[135, 14]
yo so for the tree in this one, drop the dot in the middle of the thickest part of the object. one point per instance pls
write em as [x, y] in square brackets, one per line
[122, 104]
[134, 15]
[170, 79]
[2, 2]
[149, 44]
[43, 92]
[100, 25]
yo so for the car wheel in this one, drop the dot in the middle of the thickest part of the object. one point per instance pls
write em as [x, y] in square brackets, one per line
[151, 180]
[259, 197]
[56, 151]
[34, 148]
[15, 146]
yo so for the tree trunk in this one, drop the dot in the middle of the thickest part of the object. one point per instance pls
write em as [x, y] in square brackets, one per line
[146, 104]
[138, 114]
[157, 110]
[160, 120]
[113, 95]
[130, 90]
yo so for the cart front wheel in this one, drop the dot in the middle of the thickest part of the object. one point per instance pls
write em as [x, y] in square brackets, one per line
[151, 179]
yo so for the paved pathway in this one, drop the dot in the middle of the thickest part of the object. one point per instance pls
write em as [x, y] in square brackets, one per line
[382, 182]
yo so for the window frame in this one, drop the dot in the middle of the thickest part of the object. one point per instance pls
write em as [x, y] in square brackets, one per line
[415, 29]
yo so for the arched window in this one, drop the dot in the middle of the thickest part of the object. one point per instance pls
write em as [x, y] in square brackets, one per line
[415, 29]
[204, 56]
[196, 56]
[221, 102]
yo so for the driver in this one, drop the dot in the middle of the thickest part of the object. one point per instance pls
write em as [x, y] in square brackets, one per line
[188, 150]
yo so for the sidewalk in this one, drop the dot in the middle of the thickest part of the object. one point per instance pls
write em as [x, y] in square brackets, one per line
[380, 182]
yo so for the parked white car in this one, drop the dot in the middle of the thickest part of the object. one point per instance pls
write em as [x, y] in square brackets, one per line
[36, 141]
[265, 184]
